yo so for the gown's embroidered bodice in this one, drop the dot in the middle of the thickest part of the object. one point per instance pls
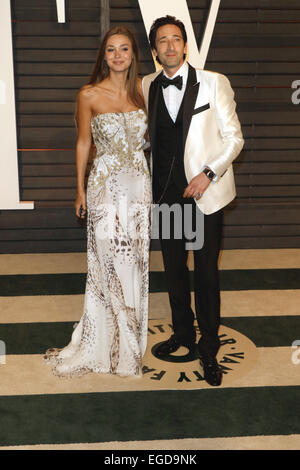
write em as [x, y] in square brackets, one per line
[119, 140]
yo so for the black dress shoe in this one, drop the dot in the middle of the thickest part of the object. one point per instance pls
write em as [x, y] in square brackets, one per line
[171, 345]
[212, 371]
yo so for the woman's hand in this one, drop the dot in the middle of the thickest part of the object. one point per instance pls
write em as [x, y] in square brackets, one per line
[80, 205]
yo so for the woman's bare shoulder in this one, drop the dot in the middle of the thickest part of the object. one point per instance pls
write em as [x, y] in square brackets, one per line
[87, 91]
[88, 96]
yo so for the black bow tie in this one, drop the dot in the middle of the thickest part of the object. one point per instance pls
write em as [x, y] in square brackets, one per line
[167, 81]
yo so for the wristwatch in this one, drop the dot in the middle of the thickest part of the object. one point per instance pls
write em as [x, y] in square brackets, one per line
[209, 173]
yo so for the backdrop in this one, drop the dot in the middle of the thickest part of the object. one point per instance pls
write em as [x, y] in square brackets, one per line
[255, 43]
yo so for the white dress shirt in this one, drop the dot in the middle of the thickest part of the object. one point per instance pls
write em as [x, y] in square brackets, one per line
[172, 95]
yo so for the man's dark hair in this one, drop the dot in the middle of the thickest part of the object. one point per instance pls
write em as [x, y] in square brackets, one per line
[164, 20]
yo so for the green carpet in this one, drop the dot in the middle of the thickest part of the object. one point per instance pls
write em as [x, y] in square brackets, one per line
[147, 415]
[93, 417]
[35, 338]
[68, 284]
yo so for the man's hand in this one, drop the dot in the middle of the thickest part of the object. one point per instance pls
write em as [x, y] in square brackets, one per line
[197, 186]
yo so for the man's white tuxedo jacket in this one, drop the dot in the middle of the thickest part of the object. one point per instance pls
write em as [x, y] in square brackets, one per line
[212, 133]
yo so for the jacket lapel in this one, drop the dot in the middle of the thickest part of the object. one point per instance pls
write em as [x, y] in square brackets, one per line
[152, 110]
[189, 102]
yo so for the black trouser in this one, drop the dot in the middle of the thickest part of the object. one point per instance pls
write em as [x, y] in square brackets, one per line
[206, 277]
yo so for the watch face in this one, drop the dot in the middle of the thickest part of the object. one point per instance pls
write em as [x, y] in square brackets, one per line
[209, 173]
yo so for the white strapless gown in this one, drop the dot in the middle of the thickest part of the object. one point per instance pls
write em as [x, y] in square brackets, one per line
[111, 336]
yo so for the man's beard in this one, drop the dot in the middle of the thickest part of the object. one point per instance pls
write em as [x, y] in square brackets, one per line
[172, 65]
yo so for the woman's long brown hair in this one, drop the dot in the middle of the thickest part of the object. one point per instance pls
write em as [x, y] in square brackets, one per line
[101, 70]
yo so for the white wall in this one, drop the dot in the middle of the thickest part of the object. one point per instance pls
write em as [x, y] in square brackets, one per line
[9, 177]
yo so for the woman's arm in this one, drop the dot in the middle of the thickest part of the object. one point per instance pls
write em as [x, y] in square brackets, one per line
[83, 145]
[140, 90]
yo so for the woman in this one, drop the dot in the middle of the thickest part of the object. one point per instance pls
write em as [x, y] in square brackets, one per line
[112, 333]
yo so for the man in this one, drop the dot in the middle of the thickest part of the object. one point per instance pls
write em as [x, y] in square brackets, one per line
[195, 135]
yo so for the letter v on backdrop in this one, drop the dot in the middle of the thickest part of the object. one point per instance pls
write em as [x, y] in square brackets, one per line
[150, 9]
